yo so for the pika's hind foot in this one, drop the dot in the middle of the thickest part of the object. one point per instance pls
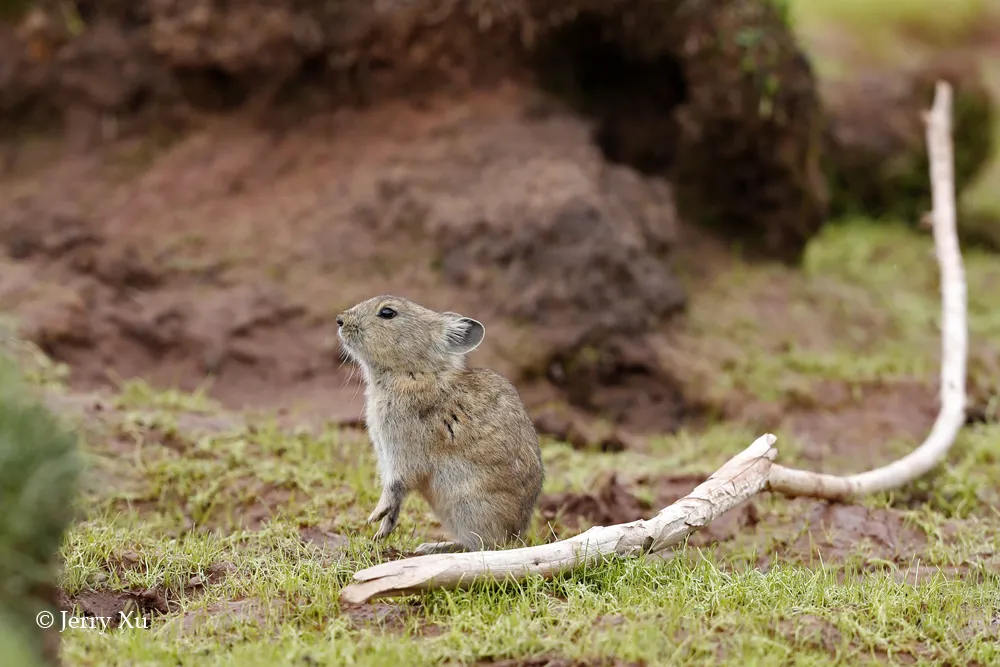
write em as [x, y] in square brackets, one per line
[428, 548]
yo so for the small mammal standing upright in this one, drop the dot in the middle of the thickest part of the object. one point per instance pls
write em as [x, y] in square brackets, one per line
[460, 437]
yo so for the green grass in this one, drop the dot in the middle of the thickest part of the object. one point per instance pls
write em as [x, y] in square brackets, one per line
[688, 610]
[166, 518]
[864, 308]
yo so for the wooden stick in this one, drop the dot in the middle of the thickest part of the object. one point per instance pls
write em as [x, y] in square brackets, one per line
[747, 473]
[741, 478]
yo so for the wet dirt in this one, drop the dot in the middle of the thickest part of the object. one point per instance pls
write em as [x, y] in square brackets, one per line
[139, 608]
[833, 533]
[612, 503]
[840, 423]
[837, 423]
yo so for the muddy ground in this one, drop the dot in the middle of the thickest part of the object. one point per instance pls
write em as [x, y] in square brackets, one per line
[324, 216]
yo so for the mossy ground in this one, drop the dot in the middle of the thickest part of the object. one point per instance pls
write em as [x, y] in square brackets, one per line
[245, 529]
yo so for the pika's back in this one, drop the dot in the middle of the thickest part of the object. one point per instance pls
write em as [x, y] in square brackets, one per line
[491, 405]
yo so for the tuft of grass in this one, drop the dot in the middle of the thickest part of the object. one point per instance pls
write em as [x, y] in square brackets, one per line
[136, 392]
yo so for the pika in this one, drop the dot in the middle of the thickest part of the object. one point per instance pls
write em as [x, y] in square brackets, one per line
[460, 437]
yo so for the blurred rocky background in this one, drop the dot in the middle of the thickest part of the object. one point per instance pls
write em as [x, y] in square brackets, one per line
[192, 189]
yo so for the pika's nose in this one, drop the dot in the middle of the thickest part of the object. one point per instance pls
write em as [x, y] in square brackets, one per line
[340, 321]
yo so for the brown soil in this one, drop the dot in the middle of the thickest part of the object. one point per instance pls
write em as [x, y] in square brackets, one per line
[142, 605]
[612, 503]
[137, 604]
[250, 304]
[833, 532]
[839, 424]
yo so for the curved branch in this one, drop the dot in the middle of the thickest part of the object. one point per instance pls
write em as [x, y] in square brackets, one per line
[954, 339]
[747, 473]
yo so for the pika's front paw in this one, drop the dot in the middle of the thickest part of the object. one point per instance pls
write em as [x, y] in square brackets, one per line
[379, 512]
[386, 527]
[388, 508]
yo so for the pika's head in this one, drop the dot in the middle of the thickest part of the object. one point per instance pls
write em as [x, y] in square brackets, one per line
[391, 334]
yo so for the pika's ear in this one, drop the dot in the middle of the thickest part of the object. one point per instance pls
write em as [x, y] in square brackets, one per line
[462, 334]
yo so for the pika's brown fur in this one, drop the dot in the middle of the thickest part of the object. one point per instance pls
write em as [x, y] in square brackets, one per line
[460, 437]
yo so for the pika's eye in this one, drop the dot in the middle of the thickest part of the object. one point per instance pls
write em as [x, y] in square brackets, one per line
[387, 313]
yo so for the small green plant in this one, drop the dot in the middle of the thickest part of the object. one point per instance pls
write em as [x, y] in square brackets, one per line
[38, 483]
